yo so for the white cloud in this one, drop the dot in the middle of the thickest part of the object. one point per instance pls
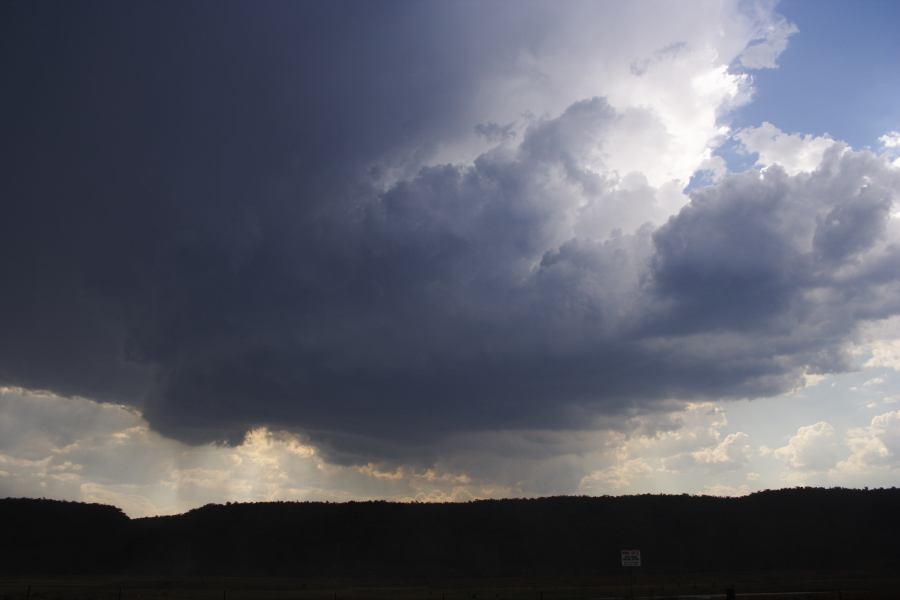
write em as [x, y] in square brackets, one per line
[668, 76]
[879, 344]
[616, 477]
[813, 448]
[732, 452]
[772, 40]
[689, 449]
[890, 140]
[874, 447]
[794, 153]
[884, 353]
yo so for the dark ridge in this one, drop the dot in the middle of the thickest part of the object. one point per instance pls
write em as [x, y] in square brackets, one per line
[795, 529]
[54, 536]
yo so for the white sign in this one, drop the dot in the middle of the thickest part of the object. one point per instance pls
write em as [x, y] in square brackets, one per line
[631, 558]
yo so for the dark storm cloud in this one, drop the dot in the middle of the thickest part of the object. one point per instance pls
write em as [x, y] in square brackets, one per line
[143, 146]
[197, 222]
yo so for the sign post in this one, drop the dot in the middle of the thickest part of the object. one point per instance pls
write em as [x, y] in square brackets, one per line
[631, 558]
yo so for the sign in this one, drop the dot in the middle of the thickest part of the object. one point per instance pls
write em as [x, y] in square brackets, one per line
[631, 558]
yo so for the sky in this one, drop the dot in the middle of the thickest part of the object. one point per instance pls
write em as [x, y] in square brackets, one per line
[445, 251]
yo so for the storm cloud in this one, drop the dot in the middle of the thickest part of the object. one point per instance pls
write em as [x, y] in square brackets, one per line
[380, 225]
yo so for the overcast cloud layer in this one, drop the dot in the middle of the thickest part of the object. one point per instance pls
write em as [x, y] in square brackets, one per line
[394, 228]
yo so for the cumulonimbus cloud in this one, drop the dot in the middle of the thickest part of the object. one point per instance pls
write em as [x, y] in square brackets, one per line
[315, 245]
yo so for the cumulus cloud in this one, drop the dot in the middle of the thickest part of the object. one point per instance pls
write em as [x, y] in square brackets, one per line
[878, 345]
[336, 248]
[795, 153]
[486, 286]
[615, 478]
[813, 448]
[732, 452]
[686, 444]
[890, 140]
[874, 447]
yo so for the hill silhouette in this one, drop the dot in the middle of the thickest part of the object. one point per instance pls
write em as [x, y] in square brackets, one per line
[795, 529]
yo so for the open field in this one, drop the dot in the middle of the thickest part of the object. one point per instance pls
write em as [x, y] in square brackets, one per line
[767, 586]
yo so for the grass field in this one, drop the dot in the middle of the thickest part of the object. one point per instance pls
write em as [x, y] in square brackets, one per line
[766, 586]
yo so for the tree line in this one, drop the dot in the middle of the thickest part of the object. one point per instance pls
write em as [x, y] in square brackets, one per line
[791, 529]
